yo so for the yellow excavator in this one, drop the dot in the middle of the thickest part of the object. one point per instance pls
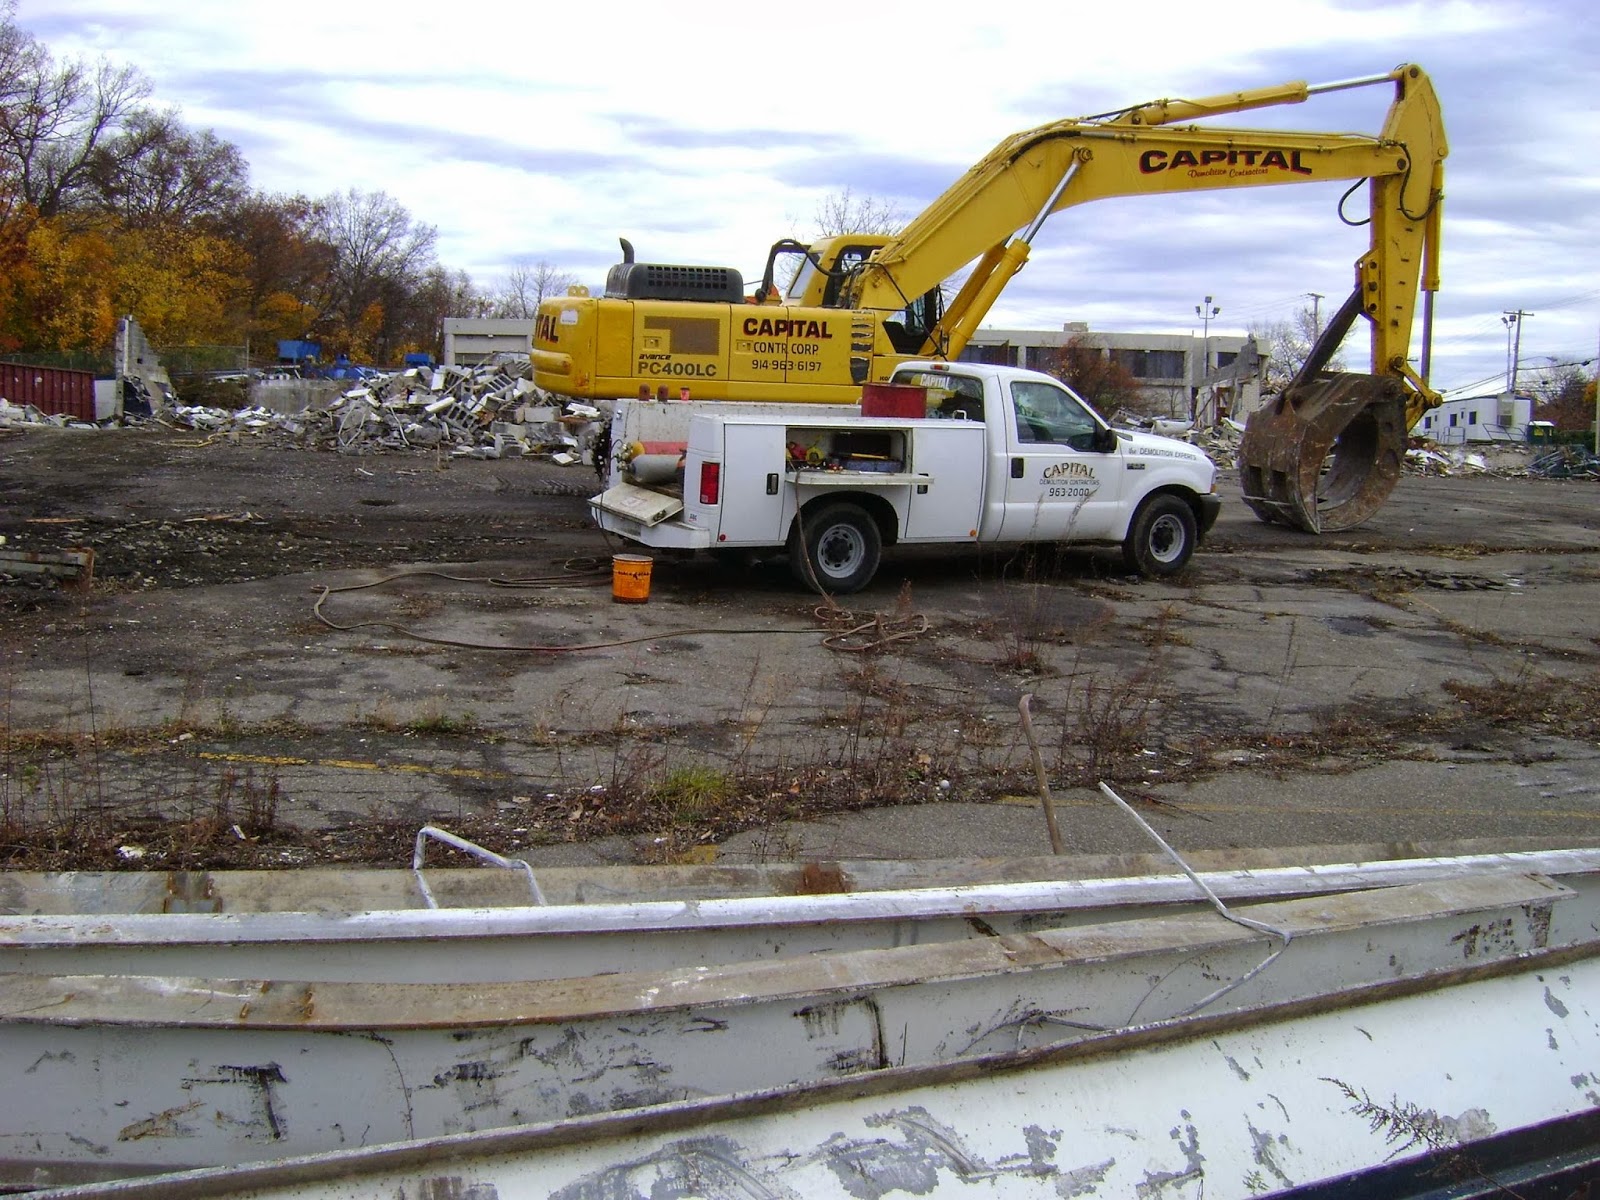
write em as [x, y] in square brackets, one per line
[830, 316]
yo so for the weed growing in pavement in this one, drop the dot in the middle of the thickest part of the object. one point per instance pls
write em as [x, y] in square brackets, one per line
[432, 721]
[1569, 707]
[1108, 723]
[442, 724]
[1162, 630]
[692, 795]
[1024, 608]
[1037, 602]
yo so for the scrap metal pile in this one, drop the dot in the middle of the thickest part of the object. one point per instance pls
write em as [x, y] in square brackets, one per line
[1567, 462]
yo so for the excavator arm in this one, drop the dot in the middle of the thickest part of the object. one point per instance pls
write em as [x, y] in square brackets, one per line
[1145, 151]
[1328, 453]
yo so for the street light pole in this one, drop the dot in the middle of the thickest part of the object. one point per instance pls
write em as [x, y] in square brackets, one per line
[1513, 323]
[1205, 312]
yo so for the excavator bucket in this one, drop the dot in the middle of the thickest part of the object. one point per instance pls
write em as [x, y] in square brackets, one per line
[1325, 454]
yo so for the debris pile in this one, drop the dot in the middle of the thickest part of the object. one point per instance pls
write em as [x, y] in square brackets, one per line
[1568, 462]
[27, 414]
[489, 411]
[1221, 441]
[1501, 460]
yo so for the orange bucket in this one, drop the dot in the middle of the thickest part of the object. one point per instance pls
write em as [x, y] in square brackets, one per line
[630, 578]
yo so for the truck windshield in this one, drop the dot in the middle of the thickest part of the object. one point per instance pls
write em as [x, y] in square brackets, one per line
[1046, 413]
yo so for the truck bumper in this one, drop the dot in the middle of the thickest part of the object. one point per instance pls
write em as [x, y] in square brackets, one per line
[1210, 506]
[668, 535]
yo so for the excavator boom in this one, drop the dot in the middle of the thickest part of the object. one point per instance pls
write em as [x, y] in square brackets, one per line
[1326, 453]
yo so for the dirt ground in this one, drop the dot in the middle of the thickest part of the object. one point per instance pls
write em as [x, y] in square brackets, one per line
[291, 656]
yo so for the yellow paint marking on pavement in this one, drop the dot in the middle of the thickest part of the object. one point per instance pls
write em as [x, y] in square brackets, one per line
[353, 764]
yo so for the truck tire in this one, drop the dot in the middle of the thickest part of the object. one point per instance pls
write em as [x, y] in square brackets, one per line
[1162, 538]
[835, 548]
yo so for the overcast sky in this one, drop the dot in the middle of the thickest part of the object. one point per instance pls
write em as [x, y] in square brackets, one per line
[702, 132]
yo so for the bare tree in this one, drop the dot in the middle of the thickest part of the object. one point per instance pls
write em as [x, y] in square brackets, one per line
[1287, 344]
[526, 287]
[380, 259]
[843, 212]
[1564, 395]
[157, 170]
[19, 57]
[442, 292]
[56, 120]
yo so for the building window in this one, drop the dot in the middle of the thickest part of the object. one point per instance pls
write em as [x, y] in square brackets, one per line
[1150, 364]
[1225, 358]
[1452, 420]
[1472, 417]
[1002, 355]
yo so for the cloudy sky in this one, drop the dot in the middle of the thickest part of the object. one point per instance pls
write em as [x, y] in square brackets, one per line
[703, 131]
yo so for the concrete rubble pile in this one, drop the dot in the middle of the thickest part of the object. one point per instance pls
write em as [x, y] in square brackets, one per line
[1502, 460]
[489, 411]
[27, 414]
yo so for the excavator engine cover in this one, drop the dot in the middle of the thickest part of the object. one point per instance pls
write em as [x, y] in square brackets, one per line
[1324, 456]
[662, 281]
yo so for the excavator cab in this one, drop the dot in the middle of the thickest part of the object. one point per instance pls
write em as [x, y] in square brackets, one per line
[827, 276]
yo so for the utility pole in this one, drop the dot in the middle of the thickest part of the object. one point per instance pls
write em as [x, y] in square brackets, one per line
[1205, 312]
[1513, 323]
[1316, 315]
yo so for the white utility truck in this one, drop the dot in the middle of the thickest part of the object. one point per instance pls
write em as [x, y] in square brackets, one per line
[943, 453]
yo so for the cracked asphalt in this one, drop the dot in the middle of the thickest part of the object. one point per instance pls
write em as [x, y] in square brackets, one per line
[1430, 675]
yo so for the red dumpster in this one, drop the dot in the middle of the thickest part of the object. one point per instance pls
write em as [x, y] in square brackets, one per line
[49, 389]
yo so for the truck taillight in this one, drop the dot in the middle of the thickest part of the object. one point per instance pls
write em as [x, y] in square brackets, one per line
[710, 482]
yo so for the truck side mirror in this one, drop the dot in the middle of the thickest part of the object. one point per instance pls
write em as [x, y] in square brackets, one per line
[1105, 439]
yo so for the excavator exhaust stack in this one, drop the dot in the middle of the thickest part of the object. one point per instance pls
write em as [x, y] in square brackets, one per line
[1325, 454]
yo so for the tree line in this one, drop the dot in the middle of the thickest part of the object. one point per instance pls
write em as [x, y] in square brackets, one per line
[110, 205]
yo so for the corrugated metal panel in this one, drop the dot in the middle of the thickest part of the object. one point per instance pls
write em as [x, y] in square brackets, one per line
[49, 389]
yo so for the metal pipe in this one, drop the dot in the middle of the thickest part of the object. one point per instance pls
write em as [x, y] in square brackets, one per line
[1344, 85]
[1427, 335]
[1050, 204]
[472, 848]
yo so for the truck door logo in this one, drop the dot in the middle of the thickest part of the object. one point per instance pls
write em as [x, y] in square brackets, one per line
[1068, 481]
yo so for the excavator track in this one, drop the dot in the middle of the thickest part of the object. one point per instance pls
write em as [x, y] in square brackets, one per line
[1325, 454]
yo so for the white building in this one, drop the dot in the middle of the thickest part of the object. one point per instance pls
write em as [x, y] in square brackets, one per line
[1498, 418]
[469, 341]
[1219, 376]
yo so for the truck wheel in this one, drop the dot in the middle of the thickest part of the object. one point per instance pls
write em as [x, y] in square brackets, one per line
[1162, 538]
[839, 549]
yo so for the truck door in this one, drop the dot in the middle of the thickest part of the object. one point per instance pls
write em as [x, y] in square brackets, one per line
[1064, 479]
